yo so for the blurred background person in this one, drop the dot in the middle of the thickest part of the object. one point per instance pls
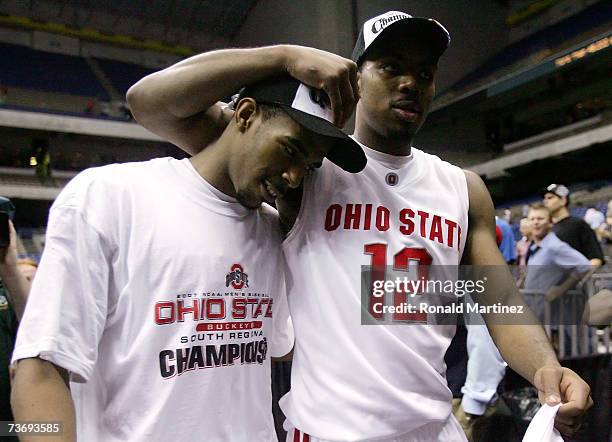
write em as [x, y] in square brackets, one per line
[570, 229]
[522, 250]
[507, 245]
[15, 281]
[594, 218]
[553, 266]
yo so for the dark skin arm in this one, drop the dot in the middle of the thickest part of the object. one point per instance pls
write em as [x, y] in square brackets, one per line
[180, 103]
[525, 348]
[16, 284]
[40, 392]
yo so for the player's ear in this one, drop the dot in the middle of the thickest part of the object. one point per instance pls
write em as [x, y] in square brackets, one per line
[245, 113]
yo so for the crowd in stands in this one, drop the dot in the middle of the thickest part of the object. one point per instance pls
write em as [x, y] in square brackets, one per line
[75, 161]
[20, 67]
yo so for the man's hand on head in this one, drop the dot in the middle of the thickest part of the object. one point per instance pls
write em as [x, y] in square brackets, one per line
[335, 75]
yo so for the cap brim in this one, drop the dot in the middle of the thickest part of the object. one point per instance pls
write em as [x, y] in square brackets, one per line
[545, 190]
[345, 153]
[424, 29]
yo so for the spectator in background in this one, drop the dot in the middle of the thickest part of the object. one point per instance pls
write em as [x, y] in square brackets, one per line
[507, 246]
[3, 95]
[105, 109]
[15, 278]
[598, 311]
[124, 111]
[16, 274]
[507, 215]
[553, 265]
[522, 246]
[522, 250]
[89, 107]
[574, 231]
[594, 218]
[604, 231]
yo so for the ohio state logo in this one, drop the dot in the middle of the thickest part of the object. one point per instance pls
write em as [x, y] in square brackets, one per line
[237, 278]
[319, 97]
[392, 179]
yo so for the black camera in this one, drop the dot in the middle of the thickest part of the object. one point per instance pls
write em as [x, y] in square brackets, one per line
[7, 212]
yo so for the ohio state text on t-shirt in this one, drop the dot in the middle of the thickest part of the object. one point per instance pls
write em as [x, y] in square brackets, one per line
[164, 299]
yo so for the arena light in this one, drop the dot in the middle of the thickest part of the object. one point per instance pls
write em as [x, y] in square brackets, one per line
[584, 51]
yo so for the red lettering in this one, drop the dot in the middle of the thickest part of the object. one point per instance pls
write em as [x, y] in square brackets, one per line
[269, 309]
[382, 218]
[424, 216]
[352, 216]
[332, 217]
[252, 302]
[436, 229]
[239, 308]
[259, 309]
[451, 232]
[377, 271]
[181, 310]
[405, 218]
[402, 261]
[160, 318]
[215, 309]
[368, 217]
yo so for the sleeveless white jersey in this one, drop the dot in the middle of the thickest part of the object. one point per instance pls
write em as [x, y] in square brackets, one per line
[350, 381]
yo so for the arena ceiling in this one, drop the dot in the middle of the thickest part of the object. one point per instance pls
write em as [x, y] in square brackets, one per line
[194, 23]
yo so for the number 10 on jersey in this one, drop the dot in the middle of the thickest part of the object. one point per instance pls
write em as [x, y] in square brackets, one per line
[402, 262]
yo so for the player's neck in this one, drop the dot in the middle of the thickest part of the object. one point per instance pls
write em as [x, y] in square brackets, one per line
[212, 163]
[393, 145]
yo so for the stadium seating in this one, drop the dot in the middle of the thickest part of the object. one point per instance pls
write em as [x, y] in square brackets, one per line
[122, 75]
[28, 68]
[539, 44]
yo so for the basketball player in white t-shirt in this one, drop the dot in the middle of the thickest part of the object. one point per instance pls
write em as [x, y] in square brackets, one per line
[354, 382]
[160, 292]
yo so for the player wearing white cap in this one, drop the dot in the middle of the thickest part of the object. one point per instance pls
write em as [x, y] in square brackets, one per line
[352, 381]
[160, 291]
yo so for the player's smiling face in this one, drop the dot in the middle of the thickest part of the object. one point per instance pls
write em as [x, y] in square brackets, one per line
[279, 154]
[397, 85]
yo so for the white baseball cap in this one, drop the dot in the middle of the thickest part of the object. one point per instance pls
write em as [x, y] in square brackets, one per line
[423, 28]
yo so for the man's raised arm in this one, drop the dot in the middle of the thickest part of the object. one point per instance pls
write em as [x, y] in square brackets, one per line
[179, 103]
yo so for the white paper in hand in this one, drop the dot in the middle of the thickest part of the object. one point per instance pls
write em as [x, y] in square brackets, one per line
[541, 428]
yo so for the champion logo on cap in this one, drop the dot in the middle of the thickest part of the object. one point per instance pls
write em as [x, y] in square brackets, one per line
[425, 29]
[372, 27]
[381, 22]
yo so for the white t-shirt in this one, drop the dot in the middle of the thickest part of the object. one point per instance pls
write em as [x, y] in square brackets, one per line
[156, 291]
[350, 381]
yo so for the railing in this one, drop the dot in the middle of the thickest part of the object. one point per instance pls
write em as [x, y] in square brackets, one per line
[574, 338]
